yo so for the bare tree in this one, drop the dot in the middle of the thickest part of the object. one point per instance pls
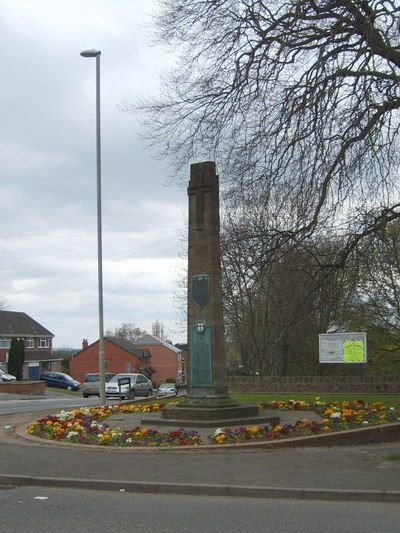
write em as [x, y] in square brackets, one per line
[157, 329]
[274, 314]
[377, 307]
[126, 331]
[298, 98]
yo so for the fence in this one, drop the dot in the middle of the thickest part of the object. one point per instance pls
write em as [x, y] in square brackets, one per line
[315, 384]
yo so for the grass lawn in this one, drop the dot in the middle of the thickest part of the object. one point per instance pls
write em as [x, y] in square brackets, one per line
[390, 400]
[393, 457]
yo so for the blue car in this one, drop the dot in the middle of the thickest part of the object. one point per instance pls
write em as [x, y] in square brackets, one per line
[60, 380]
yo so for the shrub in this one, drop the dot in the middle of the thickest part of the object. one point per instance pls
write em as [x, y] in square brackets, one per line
[16, 358]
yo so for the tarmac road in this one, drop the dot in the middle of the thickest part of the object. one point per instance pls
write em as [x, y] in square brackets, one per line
[39, 509]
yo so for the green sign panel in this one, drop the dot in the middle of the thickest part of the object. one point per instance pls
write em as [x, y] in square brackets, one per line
[353, 351]
[200, 361]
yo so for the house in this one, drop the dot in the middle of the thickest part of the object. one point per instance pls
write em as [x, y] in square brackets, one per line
[168, 361]
[120, 356]
[37, 339]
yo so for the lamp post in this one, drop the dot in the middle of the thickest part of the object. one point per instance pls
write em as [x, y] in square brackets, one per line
[102, 376]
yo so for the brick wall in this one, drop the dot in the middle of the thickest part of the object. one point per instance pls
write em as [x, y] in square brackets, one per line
[116, 360]
[23, 387]
[164, 361]
[315, 384]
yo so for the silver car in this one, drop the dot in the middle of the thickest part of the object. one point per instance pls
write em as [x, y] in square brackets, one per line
[120, 386]
[6, 377]
[166, 389]
[91, 385]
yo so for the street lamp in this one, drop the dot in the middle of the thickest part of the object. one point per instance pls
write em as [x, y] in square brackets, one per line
[102, 375]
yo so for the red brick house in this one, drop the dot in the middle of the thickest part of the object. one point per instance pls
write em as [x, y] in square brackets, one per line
[166, 359]
[120, 356]
[37, 339]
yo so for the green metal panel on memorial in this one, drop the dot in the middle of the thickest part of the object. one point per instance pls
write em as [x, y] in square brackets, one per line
[200, 361]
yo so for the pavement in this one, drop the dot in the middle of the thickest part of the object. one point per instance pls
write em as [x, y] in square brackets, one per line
[358, 472]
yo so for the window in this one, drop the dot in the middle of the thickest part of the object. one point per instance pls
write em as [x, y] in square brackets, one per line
[44, 342]
[29, 343]
[5, 342]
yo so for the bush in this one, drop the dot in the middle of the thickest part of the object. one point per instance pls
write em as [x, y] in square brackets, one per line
[16, 358]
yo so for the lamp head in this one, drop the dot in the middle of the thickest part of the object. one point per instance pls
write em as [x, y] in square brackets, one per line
[90, 53]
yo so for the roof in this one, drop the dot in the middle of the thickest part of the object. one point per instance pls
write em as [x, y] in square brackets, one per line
[126, 345]
[37, 355]
[122, 343]
[152, 340]
[13, 323]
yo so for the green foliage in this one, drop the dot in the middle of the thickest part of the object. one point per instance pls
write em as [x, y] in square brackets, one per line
[392, 457]
[16, 358]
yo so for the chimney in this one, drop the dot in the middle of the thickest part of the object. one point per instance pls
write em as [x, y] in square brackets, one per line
[85, 344]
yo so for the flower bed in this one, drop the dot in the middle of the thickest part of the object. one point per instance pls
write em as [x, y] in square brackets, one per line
[88, 425]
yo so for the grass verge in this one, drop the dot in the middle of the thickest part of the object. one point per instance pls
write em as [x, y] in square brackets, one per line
[391, 400]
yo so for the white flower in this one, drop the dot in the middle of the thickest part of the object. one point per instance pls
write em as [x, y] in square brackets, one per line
[218, 431]
[72, 434]
[129, 440]
[365, 422]
[335, 416]
[64, 415]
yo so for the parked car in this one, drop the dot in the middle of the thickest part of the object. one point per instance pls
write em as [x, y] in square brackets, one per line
[165, 389]
[60, 380]
[91, 384]
[139, 386]
[6, 377]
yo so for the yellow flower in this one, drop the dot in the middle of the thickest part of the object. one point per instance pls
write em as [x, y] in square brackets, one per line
[326, 428]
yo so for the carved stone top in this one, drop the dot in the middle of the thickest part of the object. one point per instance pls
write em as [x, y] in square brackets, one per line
[203, 180]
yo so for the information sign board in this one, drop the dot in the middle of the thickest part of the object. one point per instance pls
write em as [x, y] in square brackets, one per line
[343, 348]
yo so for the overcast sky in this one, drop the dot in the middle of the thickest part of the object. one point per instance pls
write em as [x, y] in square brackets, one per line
[48, 171]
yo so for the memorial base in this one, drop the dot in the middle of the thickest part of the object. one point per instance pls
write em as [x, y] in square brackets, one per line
[191, 413]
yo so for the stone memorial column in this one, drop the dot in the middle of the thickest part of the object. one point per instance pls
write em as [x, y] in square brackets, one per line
[207, 401]
[206, 340]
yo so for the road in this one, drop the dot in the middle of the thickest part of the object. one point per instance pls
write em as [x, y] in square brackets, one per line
[52, 401]
[35, 510]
